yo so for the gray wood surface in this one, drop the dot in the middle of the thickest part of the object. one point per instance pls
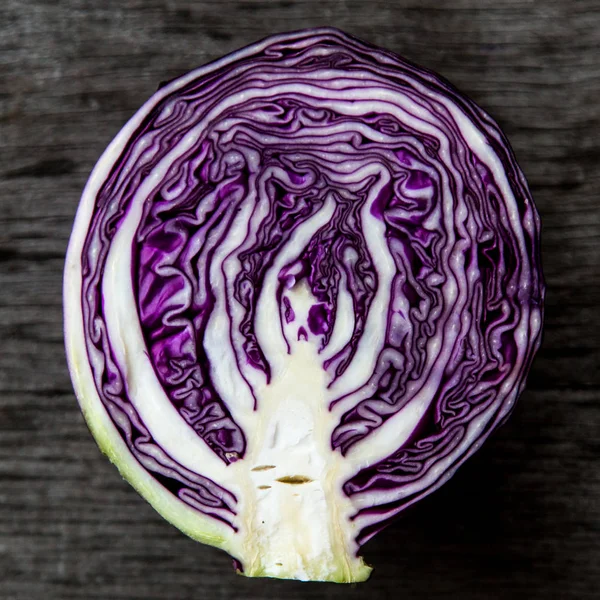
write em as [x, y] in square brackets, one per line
[521, 520]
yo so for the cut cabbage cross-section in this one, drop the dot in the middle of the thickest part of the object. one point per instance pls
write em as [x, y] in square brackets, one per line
[303, 286]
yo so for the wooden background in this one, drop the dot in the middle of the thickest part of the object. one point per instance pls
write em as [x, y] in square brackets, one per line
[520, 521]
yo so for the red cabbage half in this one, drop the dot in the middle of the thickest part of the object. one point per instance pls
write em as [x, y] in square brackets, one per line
[303, 286]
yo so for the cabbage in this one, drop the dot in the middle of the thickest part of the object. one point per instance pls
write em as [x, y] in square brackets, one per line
[303, 287]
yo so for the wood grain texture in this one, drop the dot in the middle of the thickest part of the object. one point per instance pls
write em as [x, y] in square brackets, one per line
[520, 521]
